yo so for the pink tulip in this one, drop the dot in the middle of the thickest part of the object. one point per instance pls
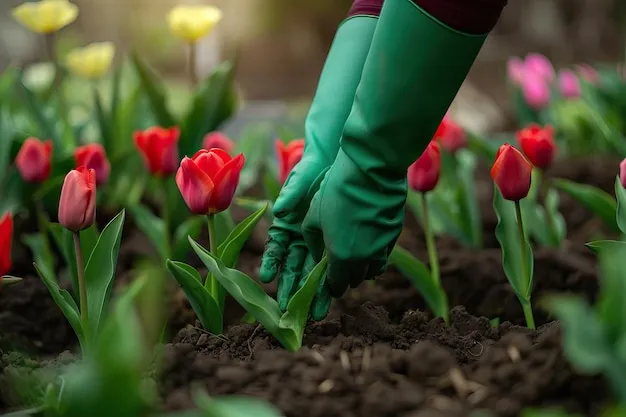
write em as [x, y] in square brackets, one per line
[569, 84]
[515, 70]
[622, 173]
[588, 73]
[218, 140]
[77, 205]
[33, 161]
[536, 90]
[540, 65]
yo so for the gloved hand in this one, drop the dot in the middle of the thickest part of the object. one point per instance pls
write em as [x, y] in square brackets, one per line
[415, 67]
[286, 255]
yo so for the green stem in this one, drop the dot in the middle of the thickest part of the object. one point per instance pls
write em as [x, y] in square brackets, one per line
[212, 284]
[192, 66]
[82, 287]
[165, 216]
[42, 223]
[430, 243]
[526, 306]
[57, 86]
[544, 186]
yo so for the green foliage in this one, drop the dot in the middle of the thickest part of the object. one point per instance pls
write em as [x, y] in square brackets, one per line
[597, 201]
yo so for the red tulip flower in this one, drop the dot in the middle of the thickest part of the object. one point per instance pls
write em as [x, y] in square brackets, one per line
[34, 160]
[450, 135]
[423, 174]
[159, 149]
[93, 156]
[6, 239]
[218, 140]
[208, 180]
[512, 173]
[538, 145]
[77, 206]
[288, 156]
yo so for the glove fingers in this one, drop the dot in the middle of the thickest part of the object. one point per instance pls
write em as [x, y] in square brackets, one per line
[376, 269]
[341, 273]
[274, 254]
[293, 192]
[312, 233]
[322, 302]
[291, 273]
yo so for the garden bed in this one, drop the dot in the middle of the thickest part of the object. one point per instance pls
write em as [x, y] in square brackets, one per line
[378, 353]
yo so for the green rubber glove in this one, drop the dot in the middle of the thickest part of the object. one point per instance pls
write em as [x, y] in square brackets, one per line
[414, 69]
[286, 254]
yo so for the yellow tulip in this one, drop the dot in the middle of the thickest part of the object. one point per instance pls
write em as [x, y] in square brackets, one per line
[91, 61]
[192, 22]
[46, 16]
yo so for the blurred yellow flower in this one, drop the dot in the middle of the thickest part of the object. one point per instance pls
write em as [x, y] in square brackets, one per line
[46, 16]
[91, 61]
[192, 22]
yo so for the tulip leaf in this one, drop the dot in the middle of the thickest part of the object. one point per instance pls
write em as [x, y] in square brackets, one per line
[230, 249]
[469, 207]
[251, 296]
[271, 186]
[234, 407]
[190, 227]
[224, 225]
[100, 271]
[597, 201]
[65, 302]
[422, 280]
[42, 253]
[153, 227]
[155, 90]
[212, 105]
[599, 246]
[202, 302]
[64, 240]
[104, 124]
[46, 128]
[518, 269]
[620, 194]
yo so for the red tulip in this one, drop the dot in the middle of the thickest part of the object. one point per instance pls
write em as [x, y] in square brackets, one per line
[288, 156]
[208, 180]
[450, 135]
[218, 140]
[538, 145]
[77, 206]
[6, 239]
[34, 160]
[423, 174]
[159, 149]
[512, 173]
[93, 156]
[622, 173]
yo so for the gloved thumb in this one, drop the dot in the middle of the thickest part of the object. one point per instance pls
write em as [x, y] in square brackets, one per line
[293, 201]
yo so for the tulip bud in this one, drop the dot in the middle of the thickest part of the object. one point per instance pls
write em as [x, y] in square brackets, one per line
[6, 239]
[77, 205]
[192, 22]
[208, 180]
[536, 90]
[33, 160]
[91, 61]
[588, 73]
[450, 136]
[423, 174]
[622, 173]
[538, 145]
[218, 140]
[515, 70]
[569, 85]
[159, 149]
[288, 156]
[512, 173]
[540, 65]
[93, 156]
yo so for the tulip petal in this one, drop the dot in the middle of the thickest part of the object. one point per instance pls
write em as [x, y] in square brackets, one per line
[195, 186]
[78, 199]
[6, 239]
[226, 182]
[208, 161]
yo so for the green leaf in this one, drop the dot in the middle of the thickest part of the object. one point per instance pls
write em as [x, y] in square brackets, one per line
[202, 302]
[422, 280]
[211, 106]
[469, 212]
[7, 280]
[224, 225]
[104, 124]
[46, 128]
[548, 413]
[254, 204]
[5, 145]
[65, 302]
[190, 227]
[42, 254]
[100, 271]
[610, 306]
[518, 269]
[620, 194]
[597, 201]
[599, 246]
[155, 90]
[585, 342]
[153, 227]
[234, 407]
[230, 249]
[271, 186]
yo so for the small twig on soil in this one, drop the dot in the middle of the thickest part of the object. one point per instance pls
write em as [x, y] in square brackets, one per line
[325, 386]
[367, 359]
[514, 354]
[250, 340]
[482, 349]
[345, 360]
[221, 337]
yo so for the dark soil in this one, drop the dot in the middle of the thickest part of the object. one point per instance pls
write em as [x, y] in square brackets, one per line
[379, 353]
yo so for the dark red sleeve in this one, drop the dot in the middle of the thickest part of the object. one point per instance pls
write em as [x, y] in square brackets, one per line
[469, 16]
[366, 7]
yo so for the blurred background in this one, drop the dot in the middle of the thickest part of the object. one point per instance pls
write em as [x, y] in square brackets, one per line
[283, 44]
